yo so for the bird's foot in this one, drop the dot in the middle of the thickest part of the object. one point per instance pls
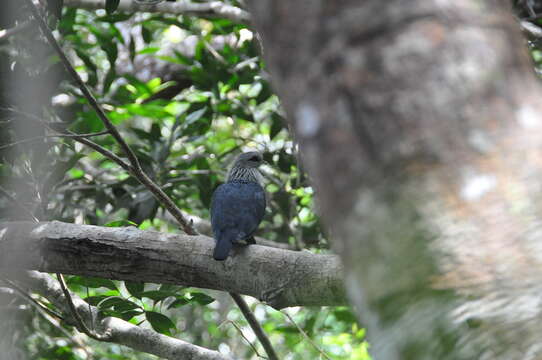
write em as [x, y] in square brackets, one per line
[251, 241]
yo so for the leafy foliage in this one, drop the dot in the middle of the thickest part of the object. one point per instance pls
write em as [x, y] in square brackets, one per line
[187, 94]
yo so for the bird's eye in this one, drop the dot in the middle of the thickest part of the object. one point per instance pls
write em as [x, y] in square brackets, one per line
[254, 158]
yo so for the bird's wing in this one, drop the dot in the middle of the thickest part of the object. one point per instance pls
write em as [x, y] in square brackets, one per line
[239, 206]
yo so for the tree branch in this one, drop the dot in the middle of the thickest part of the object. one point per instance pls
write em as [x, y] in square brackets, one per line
[255, 325]
[280, 278]
[211, 9]
[120, 331]
[532, 30]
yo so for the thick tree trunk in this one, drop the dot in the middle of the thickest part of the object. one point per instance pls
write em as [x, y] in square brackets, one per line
[419, 122]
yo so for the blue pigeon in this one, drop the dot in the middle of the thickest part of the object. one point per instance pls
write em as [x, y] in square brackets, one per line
[238, 206]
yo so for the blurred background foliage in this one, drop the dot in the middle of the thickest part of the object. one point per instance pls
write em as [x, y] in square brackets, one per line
[188, 94]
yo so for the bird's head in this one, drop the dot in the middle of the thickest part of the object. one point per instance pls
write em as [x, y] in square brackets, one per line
[251, 159]
[245, 167]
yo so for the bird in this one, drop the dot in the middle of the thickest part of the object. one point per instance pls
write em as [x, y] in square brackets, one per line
[238, 205]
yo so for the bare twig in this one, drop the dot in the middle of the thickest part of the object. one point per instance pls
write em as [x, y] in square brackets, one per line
[36, 138]
[244, 337]
[80, 323]
[30, 299]
[306, 336]
[255, 325]
[18, 203]
[83, 140]
[246, 63]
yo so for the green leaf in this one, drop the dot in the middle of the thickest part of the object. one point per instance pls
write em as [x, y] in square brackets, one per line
[68, 20]
[120, 223]
[201, 298]
[250, 90]
[116, 301]
[285, 161]
[95, 300]
[345, 315]
[146, 34]
[113, 18]
[132, 49]
[89, 64]
[157, 295]
[287, 329]
[125, 305]
[92, 282]
[111, 5]
[179, 302]
[135, 288]
[109, 78]
[148, 50]
[160, 322]
[195, 116]
[196, 97]
[277, 124]
[127, 315]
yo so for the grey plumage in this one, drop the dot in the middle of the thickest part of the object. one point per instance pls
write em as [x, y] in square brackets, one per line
[238, 206]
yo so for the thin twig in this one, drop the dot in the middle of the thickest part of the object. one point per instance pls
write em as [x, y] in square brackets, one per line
[245, 63]
[215, 53]
[29, 298]
[244, 337]
[81, 324]
[306, 336]
[255, 325]
[82, 138]
[18, 203]
[22, 141]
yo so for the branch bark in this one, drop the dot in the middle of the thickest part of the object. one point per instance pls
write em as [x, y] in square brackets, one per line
[205, 9]
[280, 278]
[118, 330]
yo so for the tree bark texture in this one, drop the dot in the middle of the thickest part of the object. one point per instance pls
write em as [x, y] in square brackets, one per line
[281, 278]
[210, 8]
[419, 122]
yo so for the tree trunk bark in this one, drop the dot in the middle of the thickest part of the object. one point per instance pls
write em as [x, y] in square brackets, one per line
[419, 122]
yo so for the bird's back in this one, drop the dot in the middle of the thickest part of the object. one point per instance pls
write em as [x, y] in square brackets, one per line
[237, 208]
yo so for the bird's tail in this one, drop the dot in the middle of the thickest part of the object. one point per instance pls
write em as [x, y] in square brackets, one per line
[222, 249]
